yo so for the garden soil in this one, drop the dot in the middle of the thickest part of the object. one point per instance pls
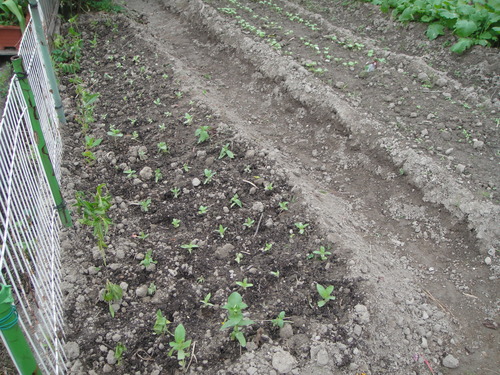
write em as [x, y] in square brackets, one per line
[342, 149]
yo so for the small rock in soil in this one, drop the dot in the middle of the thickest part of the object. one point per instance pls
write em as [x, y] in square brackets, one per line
[287, 331]
[224, 251]
[72, 350]
[196, 182]
[450, 362]
[460, 168]
[283, 362]
[146, 173]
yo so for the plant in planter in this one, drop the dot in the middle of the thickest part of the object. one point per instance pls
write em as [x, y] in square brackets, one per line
[12, 22]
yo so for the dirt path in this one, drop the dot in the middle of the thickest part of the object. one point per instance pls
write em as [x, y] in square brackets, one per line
[389, 207]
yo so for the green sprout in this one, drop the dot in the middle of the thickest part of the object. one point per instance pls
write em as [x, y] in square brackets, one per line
[176, 223]
[249, 222]
[158, 175]
[145, 205]
[325, 293]
[280, 321]
[235, 307]
[283, 206]
[244, 284]
[209, 174]
[322, 253]
[175, 191]
[202, 133]
[221, 230]
[225, 151]
[119, 350]
[202, 210]
[301, 227]
[235, 201]
[163, 147]
[161, 323]
[148, 259]
[179, 345]
[206, 300]
[190, 246]
[112, 293]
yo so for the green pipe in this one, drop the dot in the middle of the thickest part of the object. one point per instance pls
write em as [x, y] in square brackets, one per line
[46, 60]
[40, 139]
[13, 337]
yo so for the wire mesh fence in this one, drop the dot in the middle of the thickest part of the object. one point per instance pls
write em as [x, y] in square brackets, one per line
[29, 220]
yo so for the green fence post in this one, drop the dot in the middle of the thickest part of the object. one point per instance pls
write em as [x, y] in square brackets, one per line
[41, 145]
[13, 337]
[46, 60]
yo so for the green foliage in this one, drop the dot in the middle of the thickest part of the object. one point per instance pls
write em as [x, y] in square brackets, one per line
[179, 345]
[301, 227]
[67, 51]
[322, 253]
[325, 293]
[235, 307]
[202, 133]
[244, 284]
[176, 223]
[95, 214]
[190, 246]
[206, 300]
[209, 174]
[225, 151]
[221, 230]
[119, 350]
[148, 259]
[280, 321]
[12, 13]
[161, 323]
[235, 201]
[145, 205]
[72, 7]
[473, 22]
[112, 293]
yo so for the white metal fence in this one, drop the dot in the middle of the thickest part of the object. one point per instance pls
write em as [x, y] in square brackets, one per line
[29, 221]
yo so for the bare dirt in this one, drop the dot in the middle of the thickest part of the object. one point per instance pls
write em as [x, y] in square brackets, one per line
[395, 171]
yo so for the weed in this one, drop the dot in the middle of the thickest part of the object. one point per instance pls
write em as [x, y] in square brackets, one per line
[267, 247]
[90, 143]
[148, 259]
[179, 345]
[202, 133]
[112, 293]
[176, 223]
[157, 101]
[235, 201]
[236, 320]
[239, 257]
[175, 191]
[221, 230]
[186, 167]
[158, 175]
[269, 187]
[244, 284]
[130, 173]
[280, 321]
[249, 222]
[151, 288]
[115, 133]
[5, 77]
[142, 235]
[145, 205]
[119, 350]
[209, 174]
[161, 323]
[225, 151]
[325, 293]
[188, 119]
[202, 210]
[322, 253]
[190, 246]
[163, 147]
[301, 227]
[275, 273]
[283, 206]
[206, 300]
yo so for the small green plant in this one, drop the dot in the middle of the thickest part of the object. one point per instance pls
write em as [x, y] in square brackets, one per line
[112, 293]
[142, 235]
[145, 204]
[202, 210]
[269, 187]
[235, 201]
[280, 321]
[157, 101]
[119, 350]
[322, 253]
[148, 259]
[134, 136]
[239, 257]
[244, 284]
[90, 143]
[188, 119]
[5, 77]
[95, 215]
[175, 192]
[180, 345]
[267, 247]
[190, 246]
[158, 175]
[221, 230]
[249, 222]
[225, 151]
[325, 293]
[236, 320]
[163, 147]
[202, 133]
[176, 223]
[301, 227]
[151, 288]
[275, 274]
[206, 301]
[186, 167]
[209, 174]
[115, 133]
[283, 206]
[130, 173]
[161, 323]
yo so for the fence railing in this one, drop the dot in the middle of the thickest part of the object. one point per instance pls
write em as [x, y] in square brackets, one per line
[30, 207]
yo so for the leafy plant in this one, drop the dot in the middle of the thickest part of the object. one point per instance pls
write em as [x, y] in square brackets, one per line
[90, 143]
[244, 284]
[225, 151]
[175, 191]
[269, 186]
[283, 206]
[176, 223]
[5, 76]
[186, 167]
[142, 235]
[221, 230]
[202, 133]
[179, 345]
[249, 222]
[13, 12]
[115, 133]
[112, 293]
[206, 300]
[130, 173]
[275, 273]
[267, 247]
[163, 147]
[148, 259]
[236, 320]
[190, 246]
[158, 175]
[202, 210]
[301, 227]
[235, 201]
[188, 119]
[145, 205]
[209, 174]
[280, 321]
[161, 323]
[119, 350]
[239, 257]
[325, 293]
[95, 215]
[151, 288]
[322, 253]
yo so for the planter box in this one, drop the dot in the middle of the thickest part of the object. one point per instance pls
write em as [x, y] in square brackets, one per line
[10, 37]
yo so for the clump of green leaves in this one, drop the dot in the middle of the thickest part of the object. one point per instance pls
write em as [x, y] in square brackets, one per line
[148, 259]
[235, 201]
[301, 227]
[145, 205]
[206, 301]
[161, 323]
[221, 230]
[190, 246]
[180, 345]
[202, 133]
[90, 143]
[95, 214]
[176, 223]
[283, 206]
[325, 293]
[163, 147]
[244, 284]
[280, 321]
[67, 51]
[225, 151]
[175, 192]
[236, 320]
[249, 222]
[119, 350]
[322, 253]
[112, 293]
[209, 174]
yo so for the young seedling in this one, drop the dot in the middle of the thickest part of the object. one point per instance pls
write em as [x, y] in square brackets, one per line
[280, 321]
[186, 167]
[163, 147]
[175, 191]
[119, 350]
[244, 284]
[145, 205]
[115, 133]
[269, 187]
[176, 223]
[283, 206]
[190, 246]
[222, 230]
[275, 274]
[209, 174]
[325, 293]
[95, 215]
[135, 135]
[188, 119]
[249, 222]
[158, 175]
[151, 288]
[301, 227]
[112, 293]
[180, 345]
[225, 151]
[148, 259]
[239, 257]
[161, 323]
[90, 143]
[322, 253]
[130, 173]
[157, 101]
[202, 133]
[236, 320]
[235, 201]
[142, 235]
[267, 247]
[206, 301]
[202, 210]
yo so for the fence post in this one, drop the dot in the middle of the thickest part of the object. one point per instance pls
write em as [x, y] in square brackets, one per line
[13, 337]
[41, 145]
[46, 60]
